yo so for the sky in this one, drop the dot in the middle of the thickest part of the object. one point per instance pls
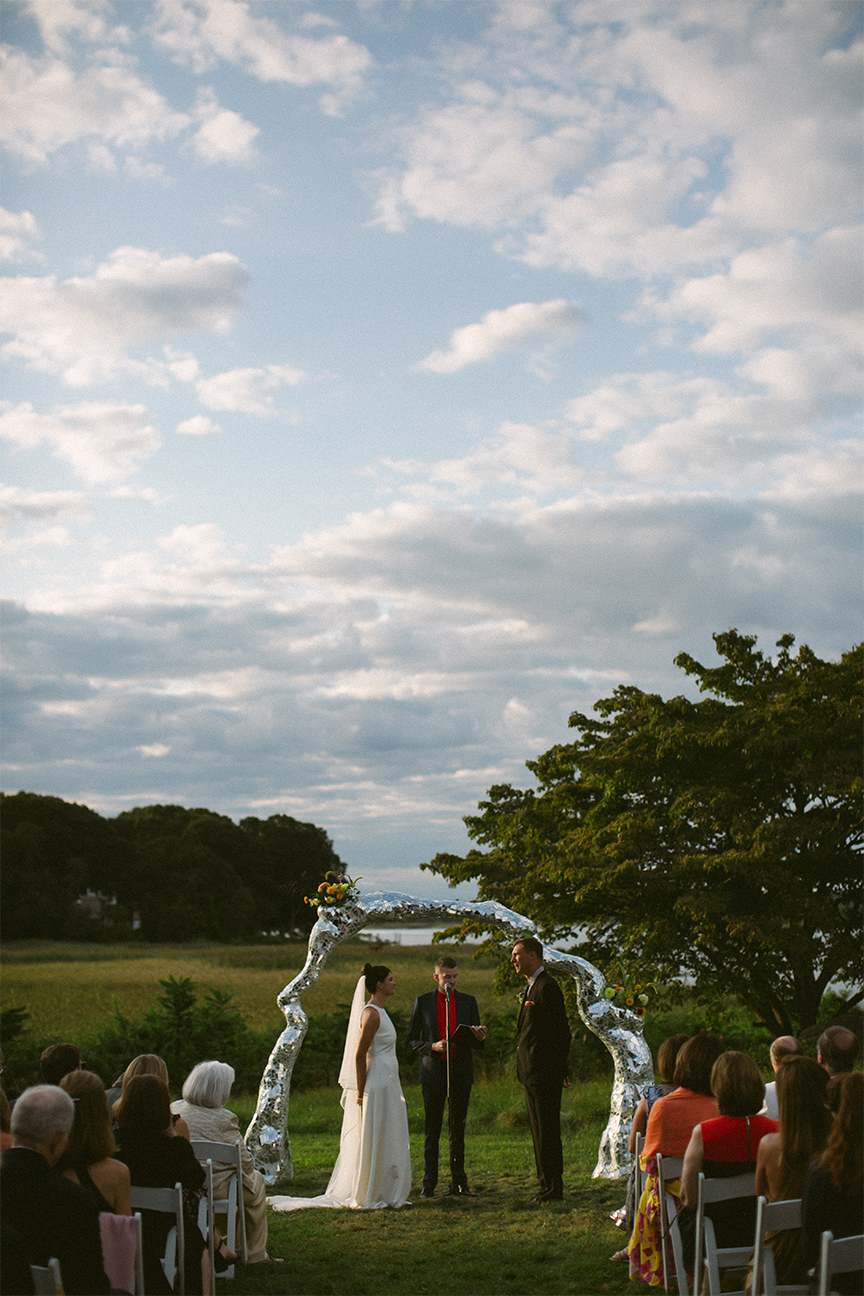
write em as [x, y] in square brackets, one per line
[384, 380]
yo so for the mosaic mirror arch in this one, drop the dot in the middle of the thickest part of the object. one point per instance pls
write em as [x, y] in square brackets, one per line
[620, 1029]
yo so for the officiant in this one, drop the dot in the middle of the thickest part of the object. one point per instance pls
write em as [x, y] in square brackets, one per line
[427, 1035]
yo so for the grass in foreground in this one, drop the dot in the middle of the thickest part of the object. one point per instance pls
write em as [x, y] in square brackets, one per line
[495, 1243]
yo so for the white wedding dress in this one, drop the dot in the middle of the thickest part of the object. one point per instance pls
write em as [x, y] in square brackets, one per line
[373, 1169]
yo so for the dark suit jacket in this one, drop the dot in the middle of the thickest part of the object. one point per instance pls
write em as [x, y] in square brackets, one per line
[542, 1034]
[423, 1032]
[53, 1217]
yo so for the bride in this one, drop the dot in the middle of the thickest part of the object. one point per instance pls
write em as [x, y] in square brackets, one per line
[373, 1169]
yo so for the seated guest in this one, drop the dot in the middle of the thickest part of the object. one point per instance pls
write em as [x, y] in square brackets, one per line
[803, 1127]
[89, 1156]
[156, 1159]
[785, 1047]
[666, 1059]
[833, 1196]
[205, 1094]
[147, 1064]
[728, 1146]
[50, 1215]
[670, 1125]
[5, 1121]
[57, 1061]
[837, 1049]
[802, 1131]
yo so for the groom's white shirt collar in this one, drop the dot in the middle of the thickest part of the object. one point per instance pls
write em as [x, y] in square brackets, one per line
[532, 979]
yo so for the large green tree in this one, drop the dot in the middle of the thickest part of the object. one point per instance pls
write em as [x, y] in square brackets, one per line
[720, 839]
[292, 858]
[53, 851]
[192, 873]
[186, 873]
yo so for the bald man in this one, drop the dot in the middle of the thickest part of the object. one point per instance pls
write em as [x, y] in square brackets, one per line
[837, 1049]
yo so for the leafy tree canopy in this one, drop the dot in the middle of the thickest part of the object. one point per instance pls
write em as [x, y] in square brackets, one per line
[187, 873]
[720, 839]
[53, 851]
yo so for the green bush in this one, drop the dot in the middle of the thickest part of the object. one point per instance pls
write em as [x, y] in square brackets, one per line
[181, 1029]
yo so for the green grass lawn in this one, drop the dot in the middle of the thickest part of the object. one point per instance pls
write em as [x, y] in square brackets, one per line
[71, 988]
[494, 1242]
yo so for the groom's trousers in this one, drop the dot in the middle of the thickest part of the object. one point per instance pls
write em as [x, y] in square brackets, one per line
[435, 1105]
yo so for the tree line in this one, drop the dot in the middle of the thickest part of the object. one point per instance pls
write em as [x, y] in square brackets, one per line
[720, 840]
[167, 872]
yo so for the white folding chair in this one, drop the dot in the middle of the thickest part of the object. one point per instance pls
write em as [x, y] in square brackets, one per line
[167, 1201]
[836, 1256]
[772, 1217]
[122, 1253]
[641, 1175]
[669, 1168]
[715, 1258]
[222, 1155]
[46, 1278]
[205, 1216]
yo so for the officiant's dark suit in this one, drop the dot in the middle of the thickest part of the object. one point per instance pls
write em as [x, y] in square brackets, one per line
[542, 1049]
[423, 1032]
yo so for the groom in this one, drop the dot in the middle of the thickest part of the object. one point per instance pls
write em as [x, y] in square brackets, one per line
[427, 1037]
[542, 1048]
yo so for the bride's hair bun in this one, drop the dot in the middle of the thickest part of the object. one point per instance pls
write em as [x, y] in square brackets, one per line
[374, 975]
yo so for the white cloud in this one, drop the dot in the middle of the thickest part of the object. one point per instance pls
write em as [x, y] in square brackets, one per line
[101, 442]
[812, 291]
[223, 136]
[200, 33]
[198, 425]
[82, 327]
[247, 391]
[17, 504]
[680, 429]
[520, 455]
[153, 749]
[479, 164]
[504, 330]
[640, 139]
[45, 107]
[85, 19]
[16, 228]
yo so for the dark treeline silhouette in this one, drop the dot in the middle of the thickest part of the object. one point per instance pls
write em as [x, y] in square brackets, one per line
[70, 874]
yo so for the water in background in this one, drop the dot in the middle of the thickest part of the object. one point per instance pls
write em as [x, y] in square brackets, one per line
[410, 935]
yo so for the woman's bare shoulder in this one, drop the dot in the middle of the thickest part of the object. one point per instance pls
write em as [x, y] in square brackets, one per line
[109, 1172]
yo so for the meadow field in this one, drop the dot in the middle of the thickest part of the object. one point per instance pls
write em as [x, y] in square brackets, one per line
[495, 1243]
[73, 987]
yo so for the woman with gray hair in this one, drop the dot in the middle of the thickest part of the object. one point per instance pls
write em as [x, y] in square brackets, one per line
[205, 1093]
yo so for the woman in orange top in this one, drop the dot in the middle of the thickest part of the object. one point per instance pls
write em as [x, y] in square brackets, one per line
[670, 1125]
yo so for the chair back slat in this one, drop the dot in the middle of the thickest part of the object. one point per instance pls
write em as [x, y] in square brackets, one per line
[837, 1256]
[119, 1249]
[716, 1190]
[167, 1201]
[47, 1280]
[228, 1154]
[669, 1169]
[641, 1176]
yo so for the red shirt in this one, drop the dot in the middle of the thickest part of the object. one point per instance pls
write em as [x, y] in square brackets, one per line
[725, 1139]
[441, 1005]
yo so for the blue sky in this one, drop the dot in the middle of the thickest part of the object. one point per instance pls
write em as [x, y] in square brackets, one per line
[384, 381]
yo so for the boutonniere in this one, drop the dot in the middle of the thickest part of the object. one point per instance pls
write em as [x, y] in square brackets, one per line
[529, 1003]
